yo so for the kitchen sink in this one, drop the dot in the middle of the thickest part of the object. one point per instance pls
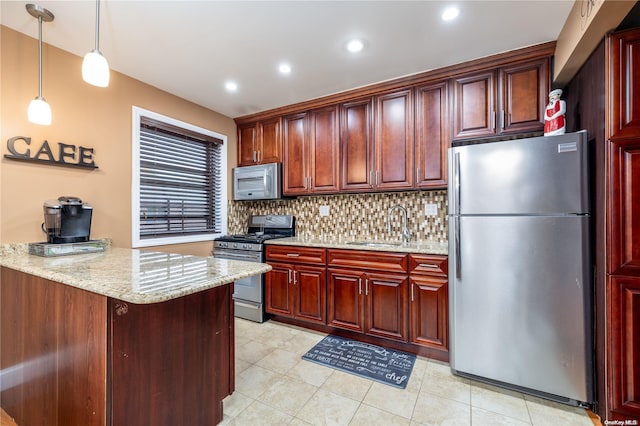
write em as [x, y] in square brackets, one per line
[374, 243]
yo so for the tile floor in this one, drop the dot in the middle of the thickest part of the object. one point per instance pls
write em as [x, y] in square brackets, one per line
[274, 386]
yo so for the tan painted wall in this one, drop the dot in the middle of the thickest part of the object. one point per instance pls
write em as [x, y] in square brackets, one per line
[82, 115]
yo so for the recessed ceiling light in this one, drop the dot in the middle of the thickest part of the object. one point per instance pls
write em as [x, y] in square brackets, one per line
[355, 45]
[284, 68]
[450, 13]
[231, 86]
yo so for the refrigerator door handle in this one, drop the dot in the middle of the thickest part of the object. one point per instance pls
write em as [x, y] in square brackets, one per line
[457, 182]
[457, 246]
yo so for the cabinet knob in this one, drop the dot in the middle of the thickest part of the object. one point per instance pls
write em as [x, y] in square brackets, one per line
[121, 308]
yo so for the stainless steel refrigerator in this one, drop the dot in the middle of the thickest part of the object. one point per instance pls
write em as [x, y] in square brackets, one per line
[520, 288]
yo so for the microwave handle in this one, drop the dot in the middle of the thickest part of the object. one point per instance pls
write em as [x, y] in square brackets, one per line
[268, 184]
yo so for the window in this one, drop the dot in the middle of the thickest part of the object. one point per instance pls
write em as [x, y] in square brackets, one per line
[179, 188]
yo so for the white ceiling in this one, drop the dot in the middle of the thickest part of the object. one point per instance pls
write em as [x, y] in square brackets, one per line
[191, 48]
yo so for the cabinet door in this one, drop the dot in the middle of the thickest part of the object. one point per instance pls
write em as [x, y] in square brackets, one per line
[356, 144]
[386, 310]
[394, 141]
[279, 297]
[294, 167]
[524, 89]
[428, 312]
[271, 141]
[624, 347]
[345, 299]
[323, 150]
[310, 284]
[624, 117]
[432, 135]
[474, 106]
[247, 138]
[624, 208]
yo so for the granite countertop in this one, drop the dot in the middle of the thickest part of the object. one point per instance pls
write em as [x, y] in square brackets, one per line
[418, 247]
[131, 275]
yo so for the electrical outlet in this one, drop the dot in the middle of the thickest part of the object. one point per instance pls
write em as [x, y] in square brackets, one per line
[430, 209]
[324, 211]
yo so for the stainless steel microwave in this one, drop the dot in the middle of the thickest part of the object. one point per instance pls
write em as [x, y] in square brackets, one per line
[261, 182]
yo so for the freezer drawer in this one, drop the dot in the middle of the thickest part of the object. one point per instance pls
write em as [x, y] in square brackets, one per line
[520, 302]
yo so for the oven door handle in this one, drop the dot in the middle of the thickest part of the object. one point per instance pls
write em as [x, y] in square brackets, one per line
[253, 257]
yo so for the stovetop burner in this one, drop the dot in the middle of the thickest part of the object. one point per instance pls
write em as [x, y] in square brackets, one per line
[262, 228]
[249, 237]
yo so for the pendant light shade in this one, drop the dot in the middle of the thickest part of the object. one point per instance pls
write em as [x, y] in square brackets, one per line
[95, 68]
[39, 111]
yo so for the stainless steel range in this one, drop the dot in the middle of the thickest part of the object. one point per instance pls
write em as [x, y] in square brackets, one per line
[249, 292]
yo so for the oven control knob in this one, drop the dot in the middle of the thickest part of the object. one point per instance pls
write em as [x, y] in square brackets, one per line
[246, 246]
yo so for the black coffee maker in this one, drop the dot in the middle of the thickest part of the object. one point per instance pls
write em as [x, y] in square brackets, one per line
[67, 220]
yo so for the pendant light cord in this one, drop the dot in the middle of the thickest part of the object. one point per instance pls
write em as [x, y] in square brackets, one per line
[97, 25]
[40, 56]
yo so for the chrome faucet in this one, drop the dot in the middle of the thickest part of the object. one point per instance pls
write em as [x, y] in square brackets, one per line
[406, 235]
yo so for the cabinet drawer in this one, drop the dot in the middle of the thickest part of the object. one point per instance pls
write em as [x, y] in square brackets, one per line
[361, 259]
[427, 265]
[294, 254]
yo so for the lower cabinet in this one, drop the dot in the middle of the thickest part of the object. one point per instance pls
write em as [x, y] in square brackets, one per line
[296, 290]
[391, 296]
[429, 320]
[368, 302]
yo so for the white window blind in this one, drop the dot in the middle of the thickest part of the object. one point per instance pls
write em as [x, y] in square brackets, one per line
[181, 181]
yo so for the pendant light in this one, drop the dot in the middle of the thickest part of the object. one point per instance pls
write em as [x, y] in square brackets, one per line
[95, 68]
[39, 111]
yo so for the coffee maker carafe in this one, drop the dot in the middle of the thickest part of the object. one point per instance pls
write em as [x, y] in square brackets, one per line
[67, 220]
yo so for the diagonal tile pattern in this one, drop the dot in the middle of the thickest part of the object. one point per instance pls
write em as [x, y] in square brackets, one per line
[274, 386]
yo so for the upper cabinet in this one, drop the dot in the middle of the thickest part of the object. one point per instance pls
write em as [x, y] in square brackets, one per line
[393, 141]
[394, 135]
[432, 135]
[377, 143]
[311, 152]
[260, 142]
[624, 67]
[501, 101]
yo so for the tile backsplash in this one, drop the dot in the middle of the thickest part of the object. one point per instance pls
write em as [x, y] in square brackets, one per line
[354, 216]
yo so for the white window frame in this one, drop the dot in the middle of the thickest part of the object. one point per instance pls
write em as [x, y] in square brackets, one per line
[136, 241]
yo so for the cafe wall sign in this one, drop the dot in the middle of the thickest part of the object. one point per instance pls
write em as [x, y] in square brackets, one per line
[63, 154]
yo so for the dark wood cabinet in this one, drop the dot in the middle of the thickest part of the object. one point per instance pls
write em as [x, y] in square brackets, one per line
[311, 150]
[296, 289]
[624, 75]
[260, 142]
[79, 358]
[377, 143]
[501, 101]
[356, 142]
[432, 135]
[429, 320]
[393, 141]
[367, 294]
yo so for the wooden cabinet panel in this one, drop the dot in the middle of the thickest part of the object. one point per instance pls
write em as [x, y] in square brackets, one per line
[432, 135]
[271, 138]
[624, 76]
[429, 311]
[345, 300]
[323, 150]
[259, 142]
[356, 141]
[279, 298]
[394, 140]
[362, 259]
[294, 168]
[524, 89]
[386, 309]
[474, 105]
[309, 255]
[624, 332]
[310, 284]
[624, 187]
[247, 139]
[428, 265]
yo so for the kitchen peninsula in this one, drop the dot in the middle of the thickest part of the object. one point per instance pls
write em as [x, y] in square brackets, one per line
[119, 337]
